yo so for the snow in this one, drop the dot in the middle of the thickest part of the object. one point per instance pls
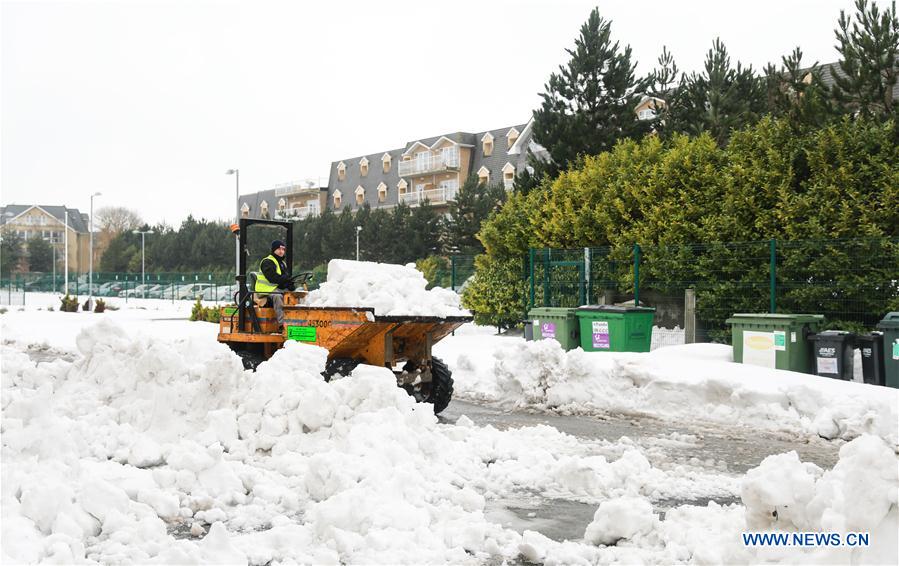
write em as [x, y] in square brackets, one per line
[693, 381]
[130, 437]
[392, 290]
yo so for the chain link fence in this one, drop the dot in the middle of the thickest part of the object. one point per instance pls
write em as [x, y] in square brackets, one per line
[696, 287]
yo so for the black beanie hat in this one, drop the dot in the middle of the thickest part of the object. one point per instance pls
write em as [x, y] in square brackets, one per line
[277, 244]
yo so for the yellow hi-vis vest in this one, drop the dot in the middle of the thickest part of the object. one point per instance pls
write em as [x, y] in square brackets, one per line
[263, 285]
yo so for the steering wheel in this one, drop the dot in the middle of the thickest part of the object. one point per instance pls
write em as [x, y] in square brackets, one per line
[302, 278]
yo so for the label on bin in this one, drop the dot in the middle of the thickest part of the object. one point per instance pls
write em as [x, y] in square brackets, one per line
[548, 329]
[827, 366]
[601, 334]
[792, 337]
[780, 340]
[896, 350]
[758, 348]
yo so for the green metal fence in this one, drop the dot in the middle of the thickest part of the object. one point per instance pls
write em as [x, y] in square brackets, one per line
[853, 282]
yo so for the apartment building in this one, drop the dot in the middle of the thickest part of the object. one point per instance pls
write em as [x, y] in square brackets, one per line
[432, 168]
[287, 201]
[50, 223]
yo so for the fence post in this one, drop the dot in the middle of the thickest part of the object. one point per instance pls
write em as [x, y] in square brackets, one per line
[588, 285]
[453, 272]
[689, 316]
[546, 294]
[636, 275]
[532, 257]
[772, 245]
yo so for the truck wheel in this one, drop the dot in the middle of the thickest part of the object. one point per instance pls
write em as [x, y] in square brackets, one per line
[250, 357]
[441, 385]
[342, 366]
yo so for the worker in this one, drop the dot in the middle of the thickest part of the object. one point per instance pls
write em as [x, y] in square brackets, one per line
[274, 279]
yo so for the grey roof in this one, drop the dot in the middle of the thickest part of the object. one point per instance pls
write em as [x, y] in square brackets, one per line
[370, 182]
[828, 70]
[78, 221]
[376, 175]
[255, 200]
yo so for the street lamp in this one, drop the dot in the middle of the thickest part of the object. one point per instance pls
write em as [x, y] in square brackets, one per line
[90, 280]
[66, 262]
[143, 276]
[358, 229]
[236, 173]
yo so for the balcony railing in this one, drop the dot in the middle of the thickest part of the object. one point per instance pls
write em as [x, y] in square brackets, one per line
[435, 196]
[298, 212]
[295, 188]
[432, 163]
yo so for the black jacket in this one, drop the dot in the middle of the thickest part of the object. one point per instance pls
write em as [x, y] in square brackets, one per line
[271, 273]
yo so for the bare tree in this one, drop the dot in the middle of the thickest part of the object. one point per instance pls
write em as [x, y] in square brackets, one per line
[112, 221]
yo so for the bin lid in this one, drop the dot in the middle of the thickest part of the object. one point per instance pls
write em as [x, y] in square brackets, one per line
[889, 322]
[833, 335]
[761, 318]
[551, 311]
[615, 308]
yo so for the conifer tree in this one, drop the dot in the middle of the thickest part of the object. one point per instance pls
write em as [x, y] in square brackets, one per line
[866, 76]
[473, 204]
[590, 103]
[797, 93]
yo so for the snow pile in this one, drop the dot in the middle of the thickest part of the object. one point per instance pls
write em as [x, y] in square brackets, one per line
[678, 382]
[106, 457]
[392, 290]
[620, 518]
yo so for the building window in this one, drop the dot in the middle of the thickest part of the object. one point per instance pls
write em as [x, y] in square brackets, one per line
[263, 209]
[402, 186]
[382, 192]
[511, 136]
[338, 198]
[508, 176]
[360, 195]
[646, 114]
[385, 162]
[363, 167]
[483, 175]
[487, 144]
[245, 210]
[341, 171]
[282, 204]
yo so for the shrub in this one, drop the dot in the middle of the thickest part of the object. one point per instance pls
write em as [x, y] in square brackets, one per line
[100, 306]
[69, 304]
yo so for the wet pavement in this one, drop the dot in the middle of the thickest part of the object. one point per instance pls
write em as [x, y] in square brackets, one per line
[727, 450]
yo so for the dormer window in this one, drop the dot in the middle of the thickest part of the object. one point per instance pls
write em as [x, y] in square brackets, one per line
[385, 162]
[382, 192]
[341, 171]
[245, 210]
[402, 186]
[363, 167]
[487, 145]
[511, 136]
[338, 198]
[508, 176]
[360, 195]
[282, 204]
[483, 175]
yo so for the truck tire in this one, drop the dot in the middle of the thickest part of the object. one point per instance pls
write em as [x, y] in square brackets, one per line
[251, 357]
[342, 366]
[441, 385]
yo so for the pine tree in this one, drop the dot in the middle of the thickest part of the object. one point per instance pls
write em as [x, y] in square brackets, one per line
[865, 78]
[12, 250]
[474, 203]
[662, 86]
[797, 93]
[590, 103]
[719, 100]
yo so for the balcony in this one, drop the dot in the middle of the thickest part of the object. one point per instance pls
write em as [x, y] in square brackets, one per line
[435, 196]
[447, 160]
[295, 188]
[298, 212]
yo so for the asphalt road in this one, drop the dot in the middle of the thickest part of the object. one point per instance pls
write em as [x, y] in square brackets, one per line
[726, 450]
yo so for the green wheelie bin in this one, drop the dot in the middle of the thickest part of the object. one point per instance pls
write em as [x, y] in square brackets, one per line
[608, 328]
[890, 328]
[556, 323]
[776, 341]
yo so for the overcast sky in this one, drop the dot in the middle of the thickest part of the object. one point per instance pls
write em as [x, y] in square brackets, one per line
[151, 102]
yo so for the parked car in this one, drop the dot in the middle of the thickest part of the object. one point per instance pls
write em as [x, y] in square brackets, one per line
[192, 291]
[137, 291]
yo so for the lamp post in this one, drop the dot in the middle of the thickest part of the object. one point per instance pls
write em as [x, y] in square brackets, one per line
[358, 229]
[236, 173]
[66, 262]
[90, 279]
[143, 276]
